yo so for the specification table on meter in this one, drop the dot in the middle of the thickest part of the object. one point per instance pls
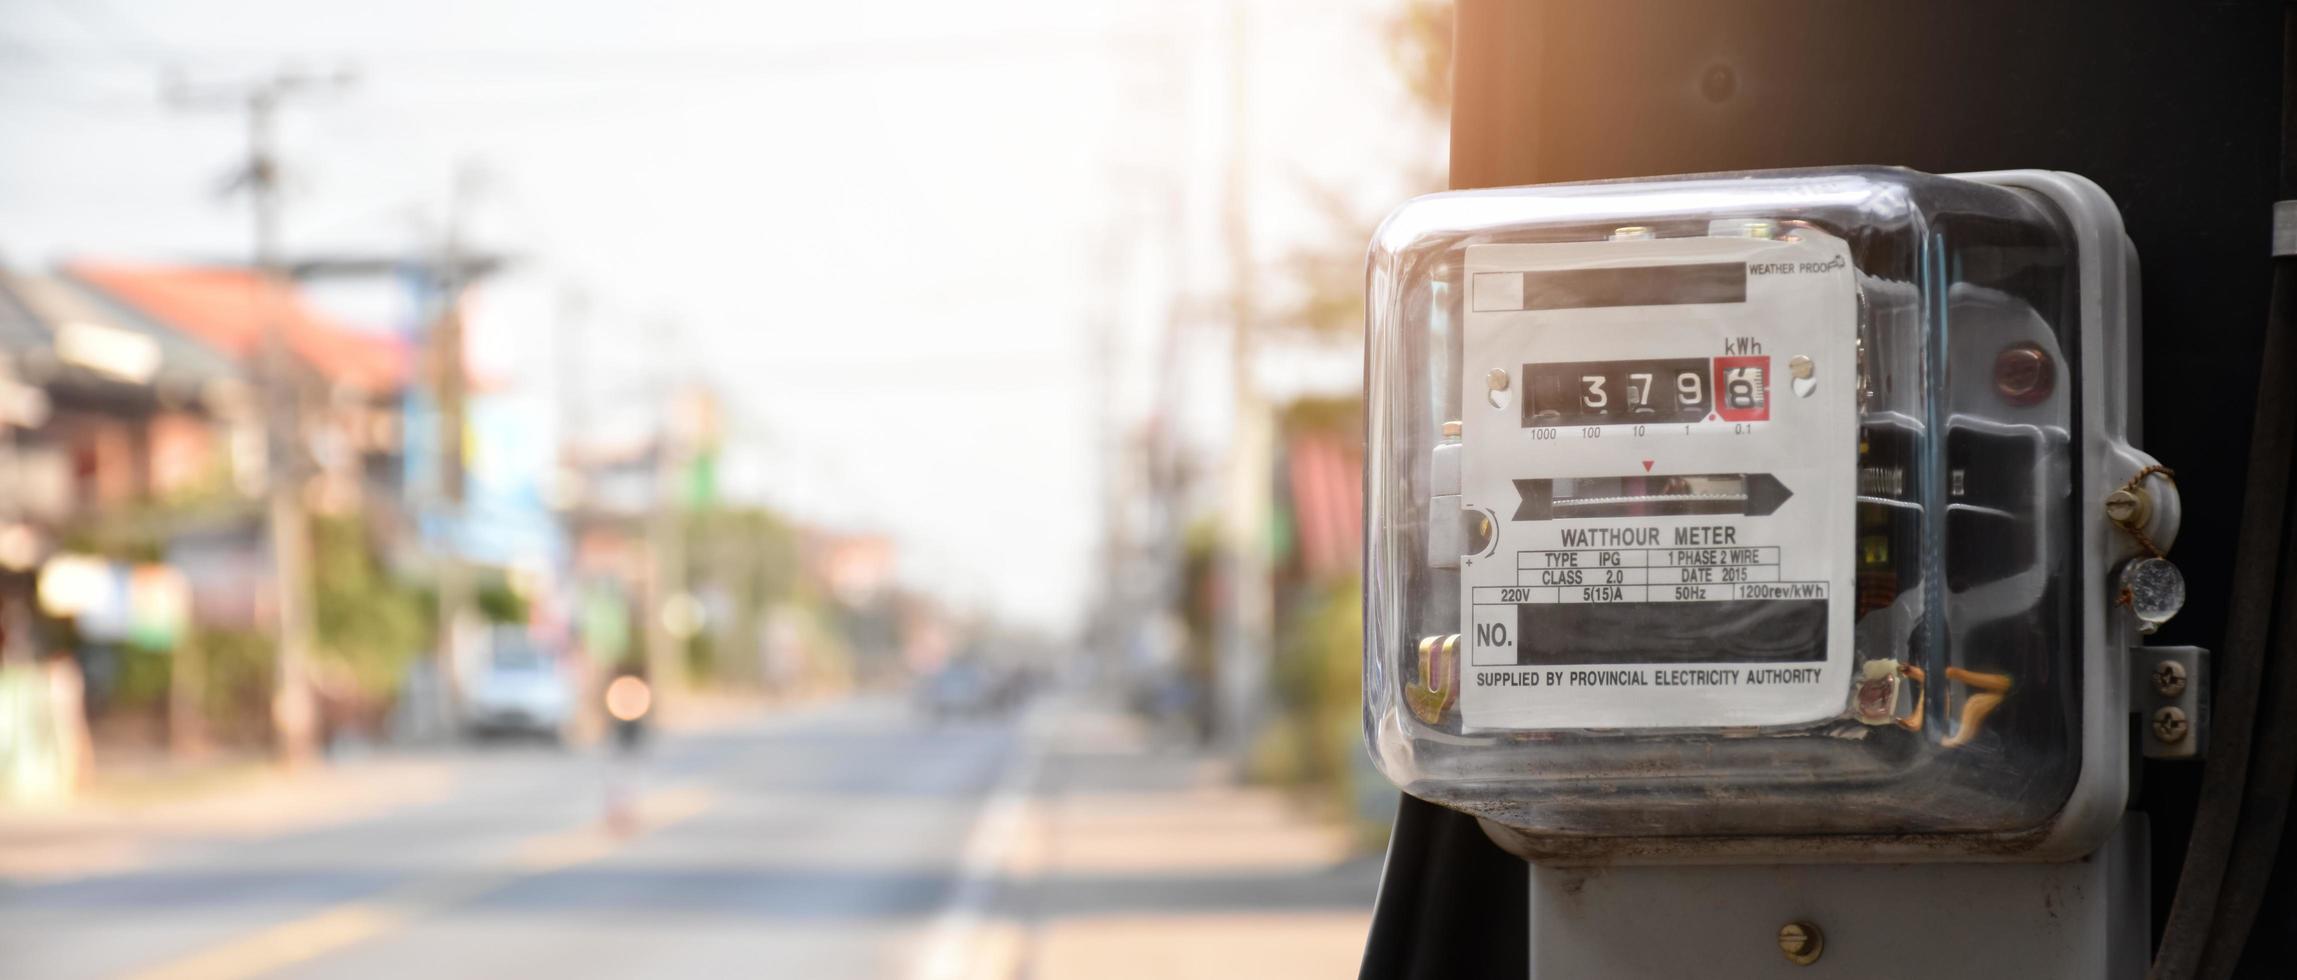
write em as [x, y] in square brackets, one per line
[1599, 582]
[1648, 575]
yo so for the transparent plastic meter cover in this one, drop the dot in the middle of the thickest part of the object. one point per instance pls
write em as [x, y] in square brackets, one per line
[1725, 506]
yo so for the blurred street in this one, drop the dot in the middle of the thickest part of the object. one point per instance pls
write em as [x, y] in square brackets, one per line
[931, 434]
[856, 838]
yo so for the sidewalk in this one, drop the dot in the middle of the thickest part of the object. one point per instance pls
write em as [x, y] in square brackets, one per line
[1135, 860]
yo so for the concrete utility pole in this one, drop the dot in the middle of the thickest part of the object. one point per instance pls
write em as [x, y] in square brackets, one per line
[1241, 676]
[294, 714]
[450, 391]
[443, 278]
[573, 380]
[675, 448]
[1113, 619]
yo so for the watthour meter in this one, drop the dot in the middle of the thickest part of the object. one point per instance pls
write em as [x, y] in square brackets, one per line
[1761, 513]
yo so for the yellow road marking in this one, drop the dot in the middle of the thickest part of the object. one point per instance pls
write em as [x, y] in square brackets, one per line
[348, 923]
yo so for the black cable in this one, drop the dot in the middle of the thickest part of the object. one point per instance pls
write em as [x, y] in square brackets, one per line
[2204, 925]
[1452, 905]
[2272, 766]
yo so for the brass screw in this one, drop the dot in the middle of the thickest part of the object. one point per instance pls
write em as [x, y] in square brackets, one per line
[1802, 942]
[1496, 379]
[2128, 507]
[2170, 726]
[2169, 678]
[1800, 366]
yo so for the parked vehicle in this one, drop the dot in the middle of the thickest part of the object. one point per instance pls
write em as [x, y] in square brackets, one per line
[523, 690]
[966, 689]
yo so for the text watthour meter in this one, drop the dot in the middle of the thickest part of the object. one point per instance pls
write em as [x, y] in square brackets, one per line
[1759, 513]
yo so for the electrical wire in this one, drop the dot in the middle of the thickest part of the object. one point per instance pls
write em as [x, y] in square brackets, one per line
[2265, 801]
[2243, 801]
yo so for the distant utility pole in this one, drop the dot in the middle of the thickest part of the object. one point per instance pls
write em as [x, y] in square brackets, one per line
[1113, 618]
[443, 277]
[675, 448]
[451, 393]
[1241, 674]
[573, 381]
[294, 713]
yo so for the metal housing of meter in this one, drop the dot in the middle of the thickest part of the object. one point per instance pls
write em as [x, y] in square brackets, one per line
[1742, 514]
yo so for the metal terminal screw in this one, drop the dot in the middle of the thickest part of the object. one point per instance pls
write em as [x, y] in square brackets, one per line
[1439, 685]
[1452, 429]
[2024, 374]
[1804, 374]
[2170, 725]
[1632, 233]
[1802, 942]
[2169, 679]
[1497, 380]
[2129, 507]
[1865, 384]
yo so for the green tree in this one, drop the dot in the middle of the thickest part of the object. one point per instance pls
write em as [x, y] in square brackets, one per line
[1319, 665]
[1326, 280]
[367, 620]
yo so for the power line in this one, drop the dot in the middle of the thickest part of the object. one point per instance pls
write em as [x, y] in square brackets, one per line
[668, 61]
[113, 94]
[101, 23]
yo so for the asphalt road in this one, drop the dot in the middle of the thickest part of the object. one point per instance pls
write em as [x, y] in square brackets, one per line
[820, 845]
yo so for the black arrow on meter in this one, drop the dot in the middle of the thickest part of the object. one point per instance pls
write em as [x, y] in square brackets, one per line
[1746, 494]
[1535, 500]
[1764, 494]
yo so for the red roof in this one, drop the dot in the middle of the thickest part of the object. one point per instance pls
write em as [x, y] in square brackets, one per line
[1327, 477]
[227, 307]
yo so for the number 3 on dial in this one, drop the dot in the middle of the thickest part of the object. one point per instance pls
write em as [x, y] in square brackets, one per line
[1594, 398]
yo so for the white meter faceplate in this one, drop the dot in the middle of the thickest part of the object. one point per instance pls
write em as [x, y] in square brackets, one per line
[1663, 436]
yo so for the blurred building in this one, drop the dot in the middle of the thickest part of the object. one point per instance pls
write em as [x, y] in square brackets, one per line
[666, 572]
[348, 382]
[1320, 507]
[604, 494]
[857, 571]
[134, 456]
[123, 436]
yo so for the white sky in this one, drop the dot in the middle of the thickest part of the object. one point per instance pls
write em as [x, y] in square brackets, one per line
[884, 232]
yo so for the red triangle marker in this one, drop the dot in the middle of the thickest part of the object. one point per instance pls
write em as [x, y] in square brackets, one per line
[1646, 466]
